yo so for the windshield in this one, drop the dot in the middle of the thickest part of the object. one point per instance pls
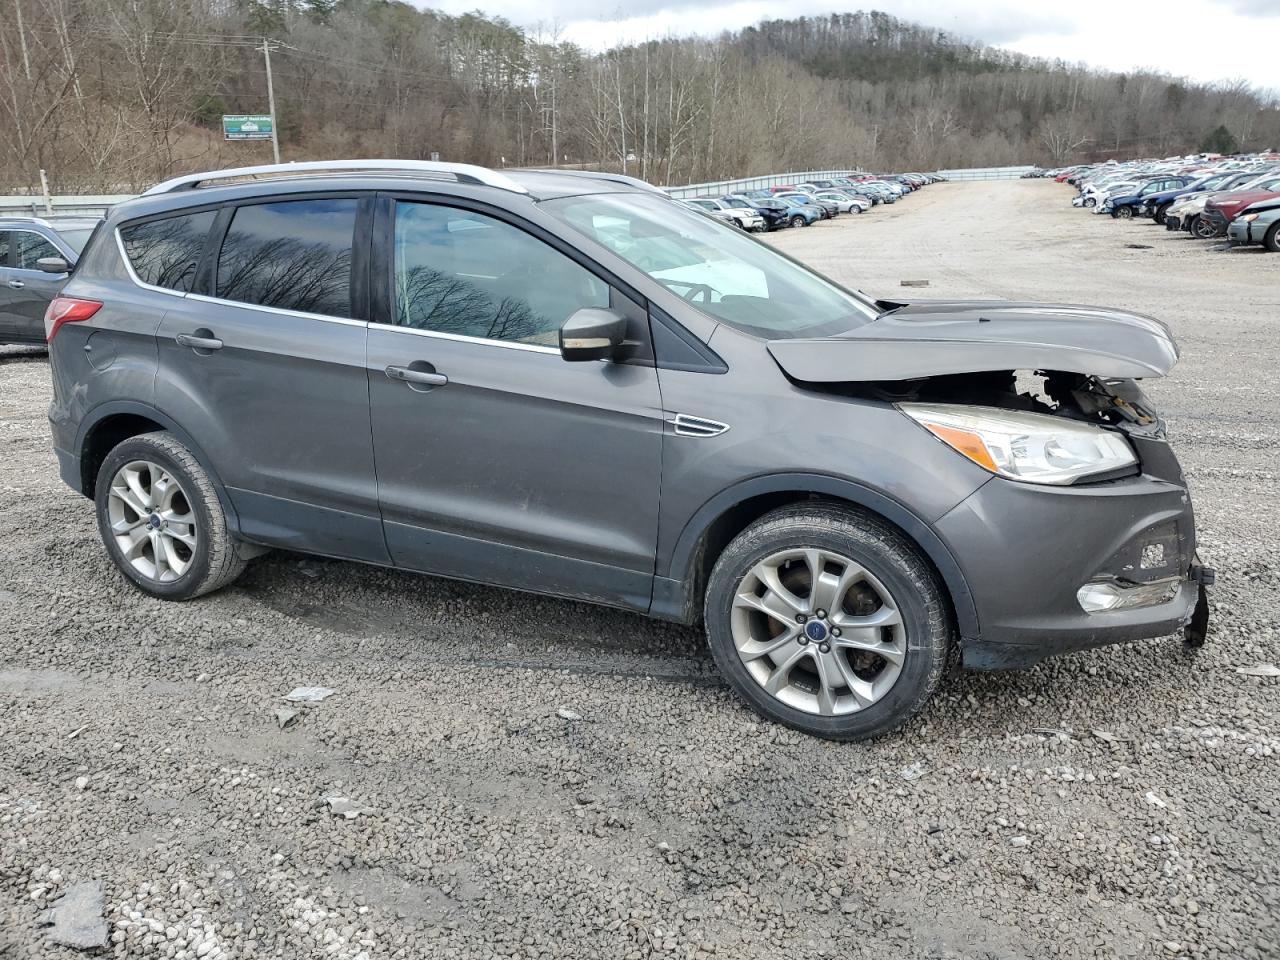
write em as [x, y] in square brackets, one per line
[715, 267]
[76, 239]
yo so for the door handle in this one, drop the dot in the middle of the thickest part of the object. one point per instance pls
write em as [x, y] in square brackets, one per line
[198, 343]
[17, 284]
[425, 377]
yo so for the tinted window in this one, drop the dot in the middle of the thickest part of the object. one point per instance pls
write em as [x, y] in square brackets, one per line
[465, 273]
[4, 248]
[295, 255]
[29, 247]
[164, 253]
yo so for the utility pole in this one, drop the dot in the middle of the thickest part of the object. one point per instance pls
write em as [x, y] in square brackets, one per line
[271, 99]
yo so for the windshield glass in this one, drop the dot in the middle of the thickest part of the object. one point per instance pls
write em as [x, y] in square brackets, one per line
[719, 270]
[76, 239]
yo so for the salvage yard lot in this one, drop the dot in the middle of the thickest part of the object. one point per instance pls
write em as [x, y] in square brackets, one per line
[544, 778]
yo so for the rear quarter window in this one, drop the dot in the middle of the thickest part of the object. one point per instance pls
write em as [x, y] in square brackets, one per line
[165, 253]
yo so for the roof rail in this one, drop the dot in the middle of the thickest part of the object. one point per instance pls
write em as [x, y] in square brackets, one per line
[26, 218]
[610, 177]
[461, 172]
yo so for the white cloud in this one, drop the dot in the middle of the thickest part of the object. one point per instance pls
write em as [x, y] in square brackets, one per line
[1163, 35]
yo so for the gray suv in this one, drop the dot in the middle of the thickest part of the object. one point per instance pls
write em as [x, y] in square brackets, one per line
[572, 385]
[26, 284]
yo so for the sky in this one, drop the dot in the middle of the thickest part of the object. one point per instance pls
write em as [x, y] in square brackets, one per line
[1205, 40]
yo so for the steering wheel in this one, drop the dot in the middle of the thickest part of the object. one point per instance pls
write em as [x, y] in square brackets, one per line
[694, 292]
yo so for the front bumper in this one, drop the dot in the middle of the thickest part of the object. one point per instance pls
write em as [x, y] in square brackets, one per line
[1216, 217]
[1027, 550]
[1238, 232]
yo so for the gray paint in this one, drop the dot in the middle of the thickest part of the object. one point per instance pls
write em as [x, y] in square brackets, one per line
[947, 337]
[569, 478]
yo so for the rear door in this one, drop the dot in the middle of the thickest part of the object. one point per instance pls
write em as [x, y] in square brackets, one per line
[263, 363]
[499, 461]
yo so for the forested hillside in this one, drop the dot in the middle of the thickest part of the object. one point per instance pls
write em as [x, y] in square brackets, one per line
[116, 94]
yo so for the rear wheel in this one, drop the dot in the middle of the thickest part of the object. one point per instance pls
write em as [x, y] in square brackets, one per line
[1272, 240]
[161, 520]
[827, 620]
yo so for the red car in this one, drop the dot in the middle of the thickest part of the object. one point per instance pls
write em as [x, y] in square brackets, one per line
[1220, 210]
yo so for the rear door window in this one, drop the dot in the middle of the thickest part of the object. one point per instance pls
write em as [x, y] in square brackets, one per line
[165, 253]
[292, 255]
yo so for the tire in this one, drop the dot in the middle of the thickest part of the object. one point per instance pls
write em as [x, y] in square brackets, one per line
[1122, 213]
[1272, 239]
[899, 583]
[799, 221]
[187, 569]
[1090, 201]
[1158, 214]
[1202, 229]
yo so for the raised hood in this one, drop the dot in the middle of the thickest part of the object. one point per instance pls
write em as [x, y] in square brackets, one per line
[937, 338]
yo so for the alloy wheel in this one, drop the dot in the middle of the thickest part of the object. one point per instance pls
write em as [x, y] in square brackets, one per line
[152, 522]
[818, 632]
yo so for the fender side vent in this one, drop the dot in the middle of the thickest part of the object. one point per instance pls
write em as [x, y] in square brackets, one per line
[687, 426]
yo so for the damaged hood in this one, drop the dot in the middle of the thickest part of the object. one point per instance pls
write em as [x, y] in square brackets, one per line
[937, 338]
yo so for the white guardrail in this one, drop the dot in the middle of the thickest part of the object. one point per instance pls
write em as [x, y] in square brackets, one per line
[97, 205]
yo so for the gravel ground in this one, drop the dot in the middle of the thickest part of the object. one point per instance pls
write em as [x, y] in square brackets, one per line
[1113, 804]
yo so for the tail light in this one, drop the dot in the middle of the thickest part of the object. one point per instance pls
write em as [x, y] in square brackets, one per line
[67, 310]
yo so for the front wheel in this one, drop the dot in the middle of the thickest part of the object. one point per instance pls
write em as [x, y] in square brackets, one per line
[1090, 201]
[1159, 212]
[1203, 229]
[827, 620]
[799, 221]
[1272, 240]
[161, 520]
[1123, 213]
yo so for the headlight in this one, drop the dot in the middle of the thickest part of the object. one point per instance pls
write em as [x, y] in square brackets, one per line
[1249, 217]
[1033, 447]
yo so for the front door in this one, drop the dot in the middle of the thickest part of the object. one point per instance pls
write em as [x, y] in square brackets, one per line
[26, 289]
[497, 460]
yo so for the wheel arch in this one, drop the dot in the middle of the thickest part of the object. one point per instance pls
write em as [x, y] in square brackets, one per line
[678, 592]
[111, 423]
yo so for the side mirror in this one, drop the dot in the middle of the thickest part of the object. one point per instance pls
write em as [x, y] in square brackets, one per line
[53, 265]
[592, 333]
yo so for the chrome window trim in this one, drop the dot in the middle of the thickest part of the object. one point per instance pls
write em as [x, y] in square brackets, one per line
[133, 275]
[463, 338]
[282, 311]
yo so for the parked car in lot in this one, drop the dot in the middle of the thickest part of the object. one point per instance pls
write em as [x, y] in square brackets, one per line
[1257, 223]
[773, 213]
[1221, 208]
[1185, 212]
[801, 213]
[27, 286]
[828, 208]
[843, 201]
[840, 489]
[741, 217]
[1127, 206]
